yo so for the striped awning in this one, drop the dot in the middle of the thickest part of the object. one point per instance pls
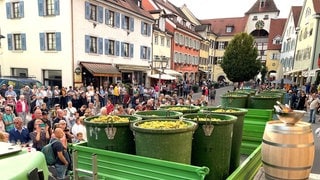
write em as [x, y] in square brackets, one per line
[101, 69]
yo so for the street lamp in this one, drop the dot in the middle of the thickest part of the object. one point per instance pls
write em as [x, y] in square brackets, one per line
[162, 61]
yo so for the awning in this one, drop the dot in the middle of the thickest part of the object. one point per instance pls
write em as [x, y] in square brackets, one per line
[133, 67]
[101, 69]
[202, 70]
[310, 73]
[163, 76]
[170, 72]
[294, 71]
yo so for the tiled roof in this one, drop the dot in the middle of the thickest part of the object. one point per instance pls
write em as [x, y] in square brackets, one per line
[270, 6]
[218, 26]
[316, 5]
[296, 10]
[276, 29]
[167, 5]
[131, 6]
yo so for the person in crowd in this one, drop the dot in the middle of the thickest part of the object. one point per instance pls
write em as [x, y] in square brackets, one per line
[43, 91]
[56, 95]
[313, 106]
[78, 127]
[47, 121]
[116, 94]
[50, 97]
[61, 166]
[33, 102]
[19, 134]
[11, 92]
[63, 98]
[102, 95]
[60, 116]
[110, 93]
[26, 91]
[213, 93]
[126, 99]
[22, 109]
[2, 103]
[90, 94]
[2, 123]
[109, 106]
[70, 93]
[4, 137]
[10, 101]
[8, 118]
[41, 134]
[36, 115]
[39, 97]
[103, 111]
[3, 90]
[82, 110]
[70, 115]
[79, 138]
[120, 110]
[68, 134]
[302, 101]
[83, 99]
[91, 109]
[96, 103]
[44, 107]
[75, 101]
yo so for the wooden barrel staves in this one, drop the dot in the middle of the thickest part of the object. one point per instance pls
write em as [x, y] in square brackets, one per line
[287, 151]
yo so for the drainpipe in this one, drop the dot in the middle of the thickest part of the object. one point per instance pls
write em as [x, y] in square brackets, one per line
[72, 46]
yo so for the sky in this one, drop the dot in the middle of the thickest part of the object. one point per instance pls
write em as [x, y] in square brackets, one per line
[211, 9]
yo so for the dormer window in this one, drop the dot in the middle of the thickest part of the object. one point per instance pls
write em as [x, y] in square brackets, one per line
[184, 23]
[255, 18]
[139, 3]
[262, 3]
[266, 17]
[277, 40]
[229, 29]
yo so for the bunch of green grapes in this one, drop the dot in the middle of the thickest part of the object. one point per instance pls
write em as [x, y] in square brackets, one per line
[110, 119]
[163, 124]
[206, 119]
[225, 110]
[178, 108]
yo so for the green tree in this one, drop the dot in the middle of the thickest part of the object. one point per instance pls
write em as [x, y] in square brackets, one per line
[240, 61]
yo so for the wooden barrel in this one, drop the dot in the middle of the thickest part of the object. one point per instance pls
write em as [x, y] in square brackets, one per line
[287, 151]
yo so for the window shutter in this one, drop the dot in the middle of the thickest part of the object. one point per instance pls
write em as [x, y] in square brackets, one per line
[106, 46]
[58, 41]
[9, 36]
[56, 7]
[117, 48]
[87, 43]
[122, 21]
[117, 20]
[87, 10]
[8, 8]
[131, 50]
[225, 44]
[42, 42]
[131, 24]
[100, 45]
[40, 8]
[100, 14]
[21, 8]
[107, 16]
[216, 45]
[122, 49]
[23, 42]
[148, 29]
[142, 23]
[148, 53]
[141, 52]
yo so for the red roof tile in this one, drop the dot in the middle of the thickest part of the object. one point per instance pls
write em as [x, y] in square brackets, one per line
[218, 26]
[296, 10]
[131, 6]
[316, 5]
[276, 29]
[270, 6]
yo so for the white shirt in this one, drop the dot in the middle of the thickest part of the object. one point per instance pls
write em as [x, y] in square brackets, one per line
[79, 128]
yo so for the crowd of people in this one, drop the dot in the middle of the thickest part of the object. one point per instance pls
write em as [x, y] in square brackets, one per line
[39, 115]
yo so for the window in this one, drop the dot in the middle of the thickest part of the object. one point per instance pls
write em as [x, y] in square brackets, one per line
[50, 41]
[111, 47]
[156, 39]
[93, 12]
[144, 28]
[144, 52]
[111, 18]
[127, 23]
[255, 18]
[229, 29]
[93, 44]
[48, 7]
[17, 42]
[126, 49]
[15, 10]
[221, 45]
[162, 40]
[168, 42]
[266, 17]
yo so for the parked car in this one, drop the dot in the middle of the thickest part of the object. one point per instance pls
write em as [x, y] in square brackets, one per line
[19, 83]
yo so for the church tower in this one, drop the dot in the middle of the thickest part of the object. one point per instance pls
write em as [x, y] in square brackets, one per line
[258, 23]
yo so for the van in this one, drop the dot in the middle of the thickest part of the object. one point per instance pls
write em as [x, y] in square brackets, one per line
[19, 83]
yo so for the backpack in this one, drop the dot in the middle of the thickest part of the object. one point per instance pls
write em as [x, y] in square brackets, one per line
[48, 153]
